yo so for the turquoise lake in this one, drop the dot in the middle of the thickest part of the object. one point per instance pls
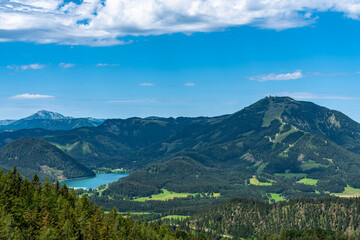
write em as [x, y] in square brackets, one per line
[94, 182]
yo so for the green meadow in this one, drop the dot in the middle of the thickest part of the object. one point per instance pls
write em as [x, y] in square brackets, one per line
[178, 217]
[276, 197]
[349, 192]
[165, 195]
[255, 181]
[309, 181]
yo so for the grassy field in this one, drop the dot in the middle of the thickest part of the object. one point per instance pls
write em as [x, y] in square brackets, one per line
[179, 217]
[255, 181]
[285, 153]
[165, 195]
[276, 197]
[348, 192]
[311, 164]
[281, 137]
[67, 147]
[309, 181]
[272, 114]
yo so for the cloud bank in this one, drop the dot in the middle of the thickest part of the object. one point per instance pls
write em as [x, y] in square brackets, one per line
[30, 96]
[34, 66]
[105, 22]
[67, 65]
[278, 77]
[107, 65]
[145, 84]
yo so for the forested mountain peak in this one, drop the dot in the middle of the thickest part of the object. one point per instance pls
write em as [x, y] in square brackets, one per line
[35, 155]
[275, 139]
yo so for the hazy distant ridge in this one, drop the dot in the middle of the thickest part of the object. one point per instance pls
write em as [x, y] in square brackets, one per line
[50, 121]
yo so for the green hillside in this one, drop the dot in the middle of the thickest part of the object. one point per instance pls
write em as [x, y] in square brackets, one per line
[34, 155]
[257, 141]
[181, 174]
[110, 144]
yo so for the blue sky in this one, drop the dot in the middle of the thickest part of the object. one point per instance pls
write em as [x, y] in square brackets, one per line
[207, 69]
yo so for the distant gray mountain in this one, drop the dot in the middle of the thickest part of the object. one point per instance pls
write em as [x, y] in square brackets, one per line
[43, 114]
[50, 121]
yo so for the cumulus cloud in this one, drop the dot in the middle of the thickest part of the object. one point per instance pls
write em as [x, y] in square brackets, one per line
[101, 23]
[145, 84]
[189, 84]
[67, 65]
[34, 66]
[107, 65]
[307, 95]
[30, 96]
[277, 77]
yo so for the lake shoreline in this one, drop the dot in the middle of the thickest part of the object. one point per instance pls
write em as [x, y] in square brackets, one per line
[60, 181]
[93, 182]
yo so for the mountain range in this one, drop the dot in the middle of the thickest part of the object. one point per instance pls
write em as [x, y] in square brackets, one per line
[275, 146]
[50, 121]
[268, 147]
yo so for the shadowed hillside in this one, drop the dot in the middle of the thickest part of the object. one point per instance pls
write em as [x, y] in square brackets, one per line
[34, 155]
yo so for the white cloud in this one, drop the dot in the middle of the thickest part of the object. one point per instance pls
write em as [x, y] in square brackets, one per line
[278, 77]
[189, 84]
[30, 96]
[101, 23]
[34, 66]
[67, 65]
[145, 84]
[107, 65]
[307, 95]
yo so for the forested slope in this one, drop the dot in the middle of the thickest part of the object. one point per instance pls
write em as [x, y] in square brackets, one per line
[277, 139]
[35, 155]
[245, 218]
[30, 210]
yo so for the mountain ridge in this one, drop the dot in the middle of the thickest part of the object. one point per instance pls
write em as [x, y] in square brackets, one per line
[277, 139]
[44, 114]
[35, 155]
[50, 121]
[262, 140]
